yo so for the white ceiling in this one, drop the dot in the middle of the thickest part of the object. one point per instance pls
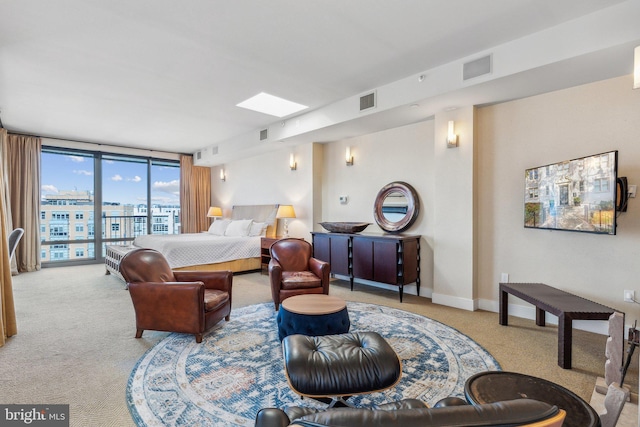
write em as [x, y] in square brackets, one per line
[166, 75]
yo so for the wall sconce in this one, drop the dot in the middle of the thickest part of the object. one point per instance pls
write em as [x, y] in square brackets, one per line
[349, 157]
[452, 138]
[222, 175]
[286, 212]
[636, 68]
[292, 162]
[214, 212]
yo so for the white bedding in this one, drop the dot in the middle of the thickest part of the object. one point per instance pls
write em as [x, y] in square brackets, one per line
[183, 250]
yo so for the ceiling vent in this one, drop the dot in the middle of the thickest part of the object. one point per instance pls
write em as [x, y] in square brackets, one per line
[368, 101]
[214, 150]
[198, 155]
[476, 68]
[264, 134]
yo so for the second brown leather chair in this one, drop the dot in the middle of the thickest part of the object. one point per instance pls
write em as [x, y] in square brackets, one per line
[190, 302]
[293, 271]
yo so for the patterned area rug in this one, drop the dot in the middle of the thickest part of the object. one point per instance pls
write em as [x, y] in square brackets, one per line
[238, 368]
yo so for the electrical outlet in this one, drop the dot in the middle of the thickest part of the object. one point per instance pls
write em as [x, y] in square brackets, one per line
[504, 278]
[631, 191]
[629, 296]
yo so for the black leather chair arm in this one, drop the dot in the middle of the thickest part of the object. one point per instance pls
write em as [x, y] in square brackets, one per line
[508, 413]
[272, 417]
[403, 404]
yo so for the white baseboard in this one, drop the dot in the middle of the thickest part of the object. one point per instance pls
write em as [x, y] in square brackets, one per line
[410, 289]
[456, 302]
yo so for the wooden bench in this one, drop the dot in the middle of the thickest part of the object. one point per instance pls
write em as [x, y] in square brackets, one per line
[566, 306]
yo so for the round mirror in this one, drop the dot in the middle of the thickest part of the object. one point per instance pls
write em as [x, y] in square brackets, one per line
[396, 207]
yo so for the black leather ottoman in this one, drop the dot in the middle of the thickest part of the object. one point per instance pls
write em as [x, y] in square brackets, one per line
[340, 365]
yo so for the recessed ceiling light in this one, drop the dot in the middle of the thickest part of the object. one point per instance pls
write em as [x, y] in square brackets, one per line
[272, 105]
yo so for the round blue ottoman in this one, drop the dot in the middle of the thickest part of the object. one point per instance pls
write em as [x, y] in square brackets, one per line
[313, 315]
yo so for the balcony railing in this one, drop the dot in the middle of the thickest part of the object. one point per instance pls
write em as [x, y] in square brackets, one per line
[116, 230]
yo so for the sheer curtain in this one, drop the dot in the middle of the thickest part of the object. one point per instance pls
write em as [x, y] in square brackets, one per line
[8, 324]
[195, 195]
[23, 158]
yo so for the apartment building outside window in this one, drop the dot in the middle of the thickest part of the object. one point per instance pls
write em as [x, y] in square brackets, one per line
[129, 196]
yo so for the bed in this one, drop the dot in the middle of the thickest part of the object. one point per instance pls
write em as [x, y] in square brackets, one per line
[225, 246]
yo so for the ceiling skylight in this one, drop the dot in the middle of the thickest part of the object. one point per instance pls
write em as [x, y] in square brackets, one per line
[272, 105]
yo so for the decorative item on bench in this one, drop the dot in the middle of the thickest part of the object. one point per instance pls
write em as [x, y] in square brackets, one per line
[615, 394]
[345, 227]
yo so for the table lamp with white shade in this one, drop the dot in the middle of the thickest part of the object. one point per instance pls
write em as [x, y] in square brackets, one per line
[214, 212]
[286, 212]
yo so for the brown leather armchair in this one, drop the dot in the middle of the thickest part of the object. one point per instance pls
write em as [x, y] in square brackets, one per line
[293, 271]
[190, 302]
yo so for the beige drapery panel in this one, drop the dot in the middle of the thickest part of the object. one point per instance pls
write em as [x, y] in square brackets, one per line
[23, 158]
[195, 196]
[8, 325]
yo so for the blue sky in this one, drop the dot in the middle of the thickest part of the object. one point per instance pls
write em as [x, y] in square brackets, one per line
[123, 182]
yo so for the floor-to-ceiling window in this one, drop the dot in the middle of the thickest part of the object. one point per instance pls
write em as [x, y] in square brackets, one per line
[128, 195]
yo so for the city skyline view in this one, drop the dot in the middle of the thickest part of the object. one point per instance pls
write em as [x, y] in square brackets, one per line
[124, 180]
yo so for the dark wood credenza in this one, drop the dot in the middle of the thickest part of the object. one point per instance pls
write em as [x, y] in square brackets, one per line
[393, 259]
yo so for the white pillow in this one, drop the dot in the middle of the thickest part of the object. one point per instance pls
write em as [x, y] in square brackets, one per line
[219, 226]
[258, 229]
[239, 228]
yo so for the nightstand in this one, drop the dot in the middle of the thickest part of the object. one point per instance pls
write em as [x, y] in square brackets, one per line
[265, 255]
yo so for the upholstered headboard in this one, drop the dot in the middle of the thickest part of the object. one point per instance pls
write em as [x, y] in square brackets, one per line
[258, 213]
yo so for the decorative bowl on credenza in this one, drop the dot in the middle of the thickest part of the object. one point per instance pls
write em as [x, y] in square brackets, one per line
[344, 227]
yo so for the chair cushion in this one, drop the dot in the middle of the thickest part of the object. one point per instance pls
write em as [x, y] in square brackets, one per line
[300, 280]
[214, 298]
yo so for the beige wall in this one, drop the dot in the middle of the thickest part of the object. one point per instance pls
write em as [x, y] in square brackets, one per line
[267, 179]
[454, 247]
[400, 154]
[471, 197]
[535, 131]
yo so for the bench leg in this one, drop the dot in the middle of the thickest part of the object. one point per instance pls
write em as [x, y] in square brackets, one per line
[504, 308]
[540, 321]
[565, 336]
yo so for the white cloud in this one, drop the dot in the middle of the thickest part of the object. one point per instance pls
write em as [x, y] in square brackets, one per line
[49, 189]
[77, 159]
[82, 172]
[171, 187]
[135, 179]
[116, 177]
[165, 200]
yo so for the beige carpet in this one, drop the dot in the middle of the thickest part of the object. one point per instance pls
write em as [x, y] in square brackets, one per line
[76, 325]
